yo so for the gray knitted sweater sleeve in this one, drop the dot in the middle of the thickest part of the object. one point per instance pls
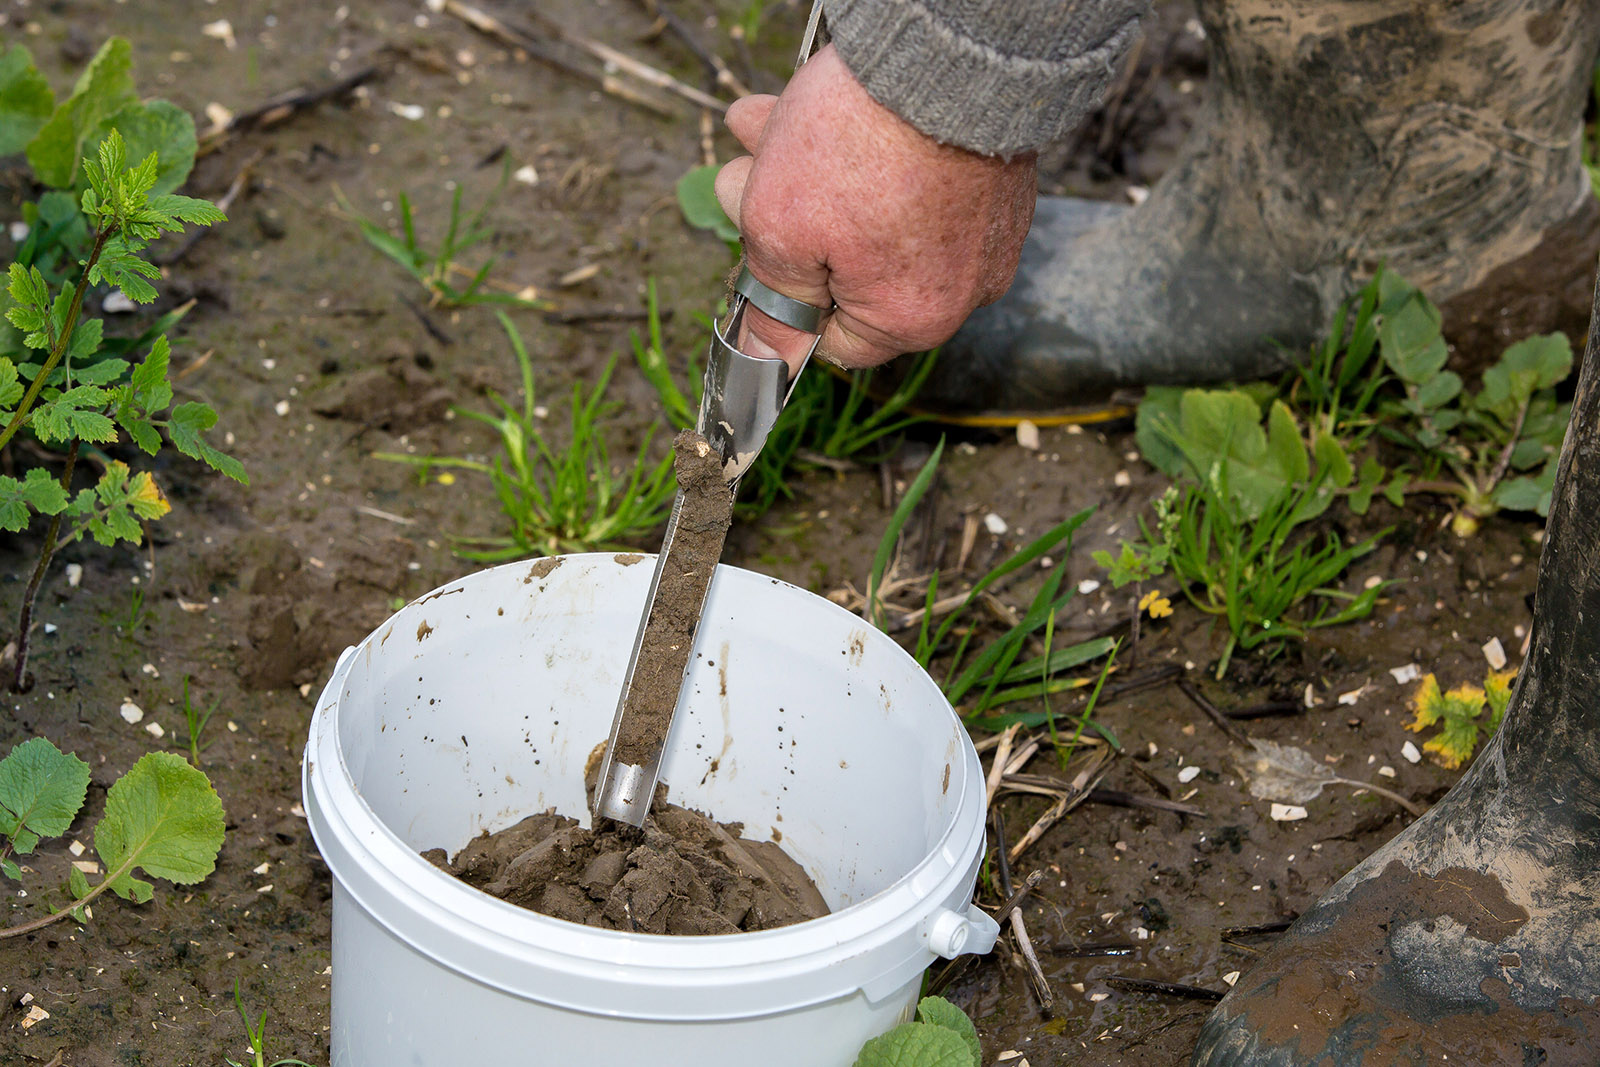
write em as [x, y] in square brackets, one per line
[995, 76]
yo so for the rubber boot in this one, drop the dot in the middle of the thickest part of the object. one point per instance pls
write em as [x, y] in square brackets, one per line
[1474, 936]
[1442, 137]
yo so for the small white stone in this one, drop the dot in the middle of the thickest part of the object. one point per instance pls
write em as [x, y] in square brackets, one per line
[1352, 696]
[154, 729]
[1410, 752]
[76, 848]
[233, 727]
[1230, 978]
[527, 175]
[995, 524]
[1495, 653]
[150, 669]
[74, 572]
[1141, 934]
[35, 1016]
[1287, 813]
[1122, 479]
[281, 407]
[1386, 771]
[222, 30]
[19, 231]
[87, 866]
[1008, 1054]
[1028, 435]
[1095, 998]
[262, 868]
[131, 712]
[411, 112]
[1087, 586]
[1409, 673]
[50, 627]
[1138, 194]
[1188, 774]
[117, 304]
[265, 889]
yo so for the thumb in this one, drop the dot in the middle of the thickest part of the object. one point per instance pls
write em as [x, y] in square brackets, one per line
[764, 337]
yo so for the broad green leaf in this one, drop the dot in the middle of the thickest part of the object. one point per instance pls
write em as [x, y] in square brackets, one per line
[937, 1011]
[697, 199]
[1522, 494]
[10, 388]
[25, 100]
[86, 336]
[1367, 481]
[102, 90]
[41, 789]
[1284, 445]
[186, 425]
[1549, 356]
[121, 266]
[1439, 390]
[102, 373]
[916, 1045]
[27, 285]
[77, 884]
[162, 816]
[1157, 411]
[1332, 460]
[9, 868]
[141, 431]
[149, 378]
[1410, 333]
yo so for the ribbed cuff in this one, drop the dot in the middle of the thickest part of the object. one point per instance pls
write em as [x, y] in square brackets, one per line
[1028, 77]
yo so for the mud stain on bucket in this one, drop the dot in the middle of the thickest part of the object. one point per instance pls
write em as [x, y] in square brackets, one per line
[627, 559]
[423, 630]
[542, 568]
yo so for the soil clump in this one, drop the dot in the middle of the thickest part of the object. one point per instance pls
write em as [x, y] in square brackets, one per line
[681, 873]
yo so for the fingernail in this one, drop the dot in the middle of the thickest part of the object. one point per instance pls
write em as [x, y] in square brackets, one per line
[755, 346]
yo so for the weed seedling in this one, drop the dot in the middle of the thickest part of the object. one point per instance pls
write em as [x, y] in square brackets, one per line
[195, 720]
[569, 500]
[433, 268]
[1459, 715]
[257, 1034]
[162, 816]
[942, 1036]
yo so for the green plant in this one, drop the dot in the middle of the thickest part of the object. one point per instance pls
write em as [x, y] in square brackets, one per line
[162, 816]
[697, 199]
[1500, 445]
[433, 268]
[1230, 531]
[1338, 386]
[195, 720]
[994, 674]
[942, 1036]
[78, 392]
[128, 622]
[558, 500]
[1459, 714]
[257, 1034]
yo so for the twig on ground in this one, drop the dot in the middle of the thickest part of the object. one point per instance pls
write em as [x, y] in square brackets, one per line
[714, 63]
[630, 65]
[1268, 709]
[490, 26]
[997, 769]
[428, 324]
[284, 106]
[1095, 764]
[1211, 712]
[1019, 927]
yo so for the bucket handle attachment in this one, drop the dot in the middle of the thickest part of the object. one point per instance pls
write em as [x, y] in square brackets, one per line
[954, 933]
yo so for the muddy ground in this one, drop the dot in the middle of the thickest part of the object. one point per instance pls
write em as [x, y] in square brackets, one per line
[318, 353]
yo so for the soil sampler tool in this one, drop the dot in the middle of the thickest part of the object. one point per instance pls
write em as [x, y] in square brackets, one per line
[740, 402]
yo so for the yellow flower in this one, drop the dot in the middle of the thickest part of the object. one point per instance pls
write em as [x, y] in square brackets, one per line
[1157, 605]
[447, 479]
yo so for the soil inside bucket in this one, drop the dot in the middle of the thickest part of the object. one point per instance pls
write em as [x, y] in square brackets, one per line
[682, 873]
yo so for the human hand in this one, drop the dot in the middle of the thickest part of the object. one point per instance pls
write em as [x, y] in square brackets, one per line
[845, 203]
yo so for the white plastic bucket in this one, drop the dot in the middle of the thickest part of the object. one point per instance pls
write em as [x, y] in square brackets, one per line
[477, 705]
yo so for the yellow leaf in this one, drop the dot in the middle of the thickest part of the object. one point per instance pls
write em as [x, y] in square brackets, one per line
[1497, 689]
[1428, 704]
[144, 496]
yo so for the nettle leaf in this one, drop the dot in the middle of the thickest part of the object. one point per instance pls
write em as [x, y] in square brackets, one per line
[41, 790]
[151, 390]
[916, 1045]
[37, 491]
[123, 500]
[697, 199]
[25, 100]
[162, 816]
[937, 1011]
[102, 372]
[103, 89]
[86, 337]
[177, 210]
[141, 432]
[119, 265]
[186, 425]
[75, 413]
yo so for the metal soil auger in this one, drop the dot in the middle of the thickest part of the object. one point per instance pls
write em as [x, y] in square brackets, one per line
[741, 400]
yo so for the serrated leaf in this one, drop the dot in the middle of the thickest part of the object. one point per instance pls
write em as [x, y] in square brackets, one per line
[1497, 691]
[141, 431]
[1454, 742]
[187, 209]
[145, 498]
[37, 491]
[9, 868]
[937, 1011]
[101, 373]
[149, 378]
[119, 265]
[86, 336]
[185, 427]
[26, 101]
[915, 1045]
[77, 884]
[162, 816]
[156, 128]
[42, 788]
[1286, 774]
[104, 88]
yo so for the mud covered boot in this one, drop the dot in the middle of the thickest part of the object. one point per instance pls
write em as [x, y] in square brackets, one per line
[1442, 137]
[1474, 936]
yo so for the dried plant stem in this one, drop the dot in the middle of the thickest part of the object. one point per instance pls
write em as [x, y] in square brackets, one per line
[25, 616]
